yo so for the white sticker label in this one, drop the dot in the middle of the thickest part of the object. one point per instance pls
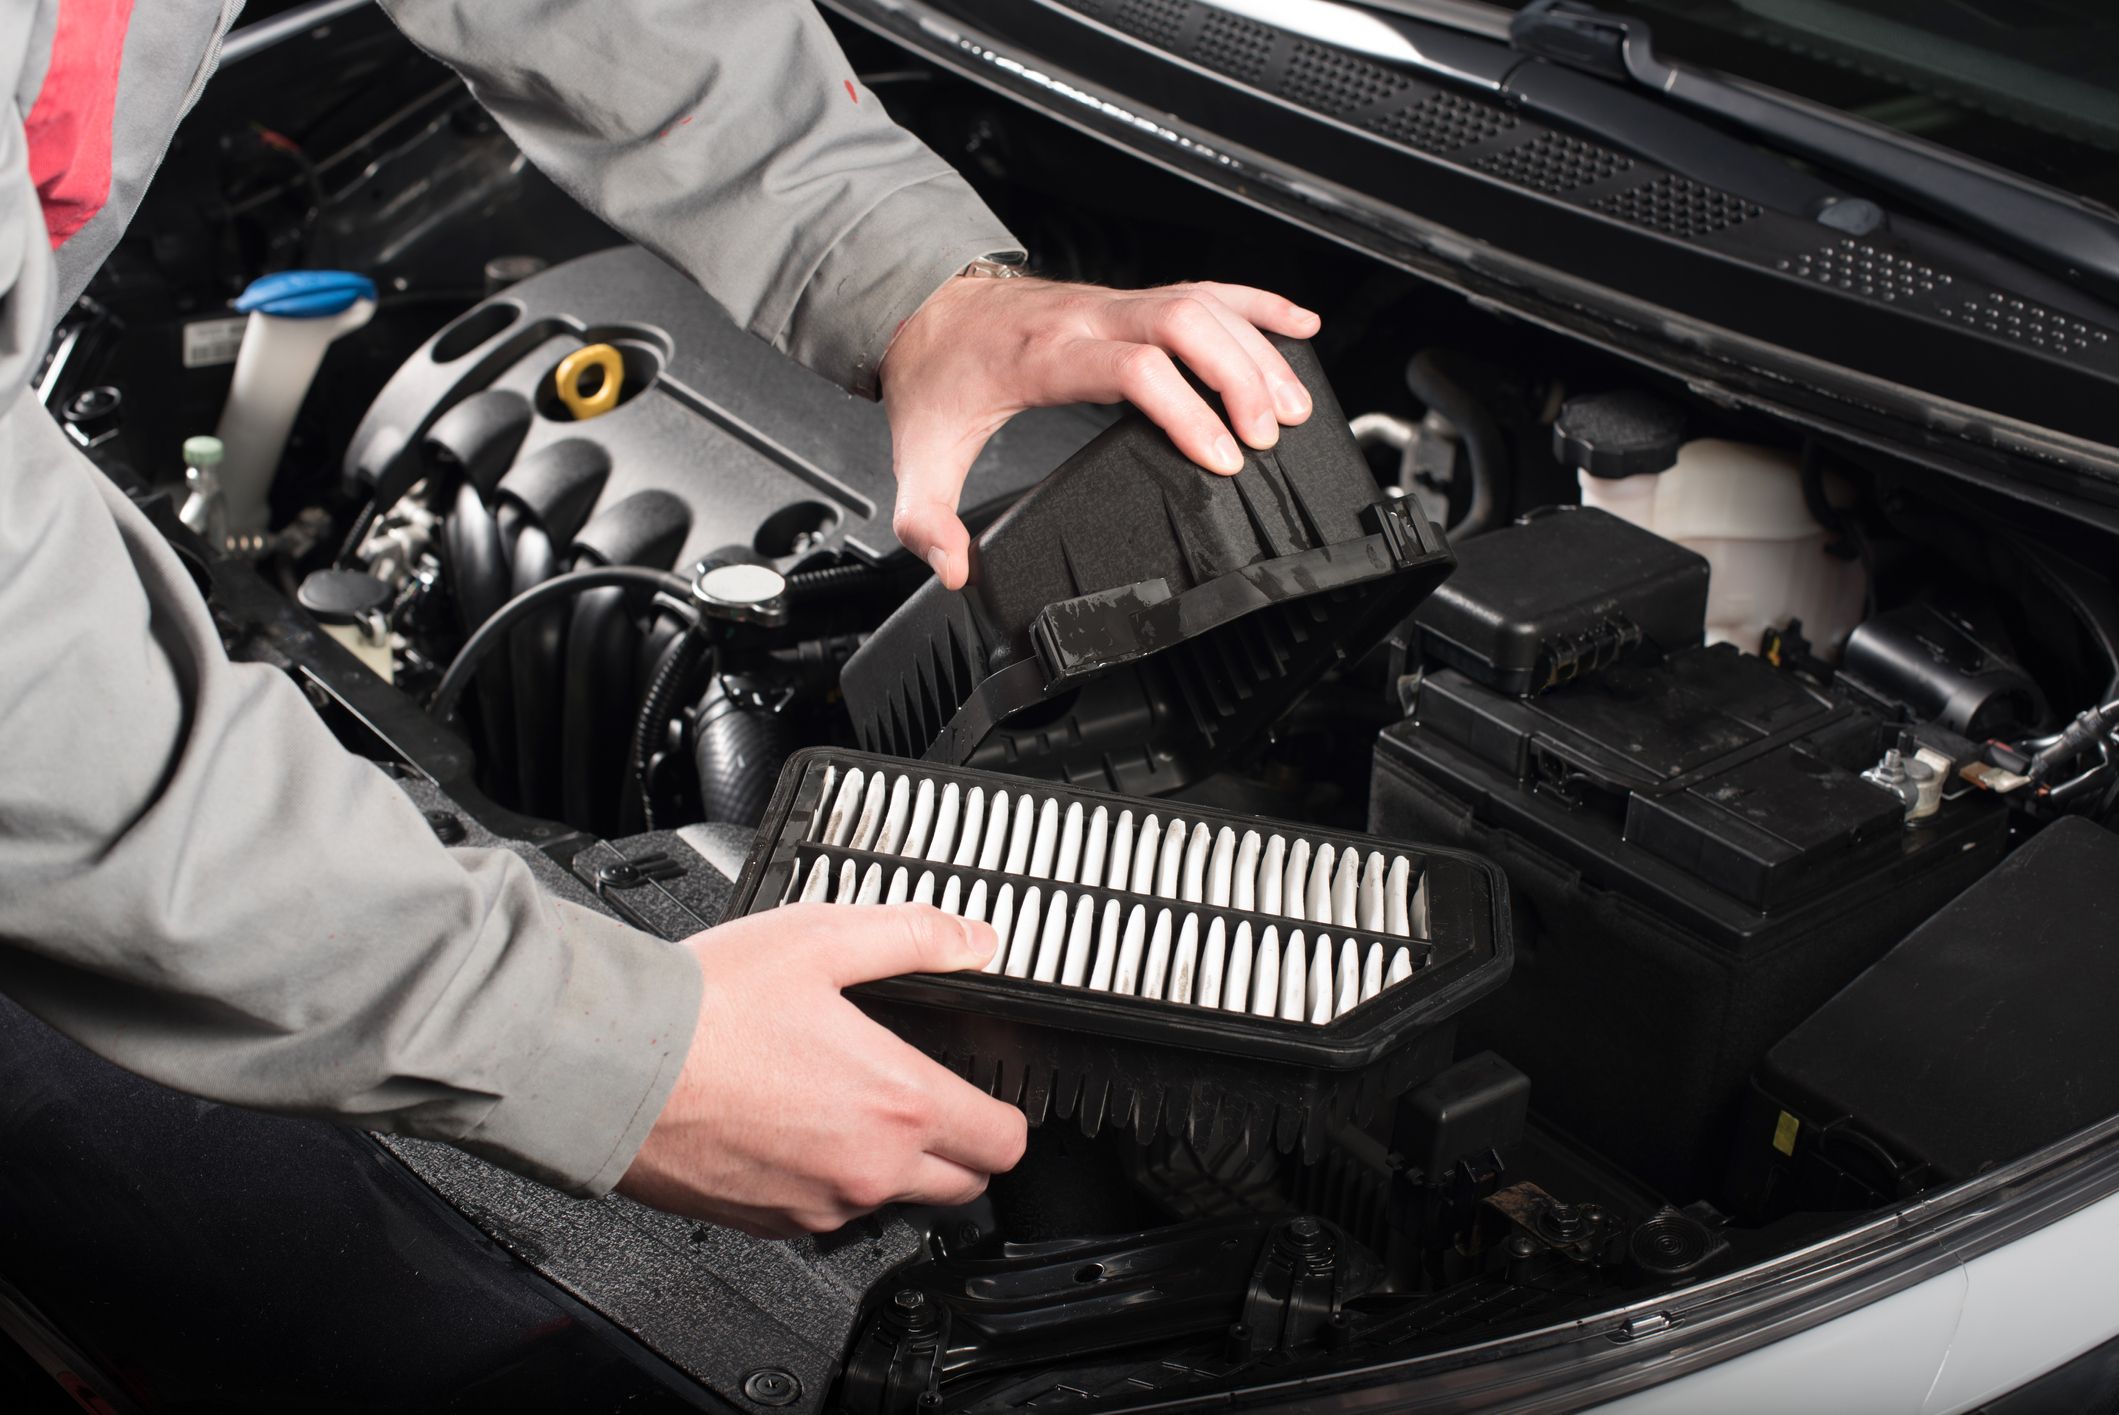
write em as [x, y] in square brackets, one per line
[213, 341]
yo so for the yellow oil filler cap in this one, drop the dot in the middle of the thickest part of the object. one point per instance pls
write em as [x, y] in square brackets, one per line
[590, 379]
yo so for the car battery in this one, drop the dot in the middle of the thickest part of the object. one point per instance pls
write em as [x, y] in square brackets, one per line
[1696, 864]
[1164, 968]
[1983, 1036]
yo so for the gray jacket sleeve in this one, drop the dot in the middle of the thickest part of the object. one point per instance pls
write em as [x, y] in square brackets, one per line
[198, 882]
[732, 138]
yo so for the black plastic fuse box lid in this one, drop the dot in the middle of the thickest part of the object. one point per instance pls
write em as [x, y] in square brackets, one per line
[1982, 1036]
[1602, 588]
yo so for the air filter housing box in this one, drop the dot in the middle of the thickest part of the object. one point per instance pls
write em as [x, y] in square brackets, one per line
[1133, 618]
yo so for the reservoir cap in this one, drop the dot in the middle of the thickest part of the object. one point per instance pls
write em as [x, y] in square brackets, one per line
[1614, 435]
[305, 294]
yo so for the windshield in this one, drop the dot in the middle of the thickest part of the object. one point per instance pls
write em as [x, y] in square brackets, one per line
[2030, 85]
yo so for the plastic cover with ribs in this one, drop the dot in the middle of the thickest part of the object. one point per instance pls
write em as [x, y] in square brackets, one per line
[1133, 619]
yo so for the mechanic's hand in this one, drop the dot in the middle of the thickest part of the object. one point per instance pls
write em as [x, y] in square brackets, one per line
[797, 1113]
[982, 350]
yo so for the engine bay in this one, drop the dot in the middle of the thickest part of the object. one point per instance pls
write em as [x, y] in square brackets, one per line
[1718, 713]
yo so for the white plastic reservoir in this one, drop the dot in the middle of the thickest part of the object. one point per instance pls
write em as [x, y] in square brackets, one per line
[1741, 506]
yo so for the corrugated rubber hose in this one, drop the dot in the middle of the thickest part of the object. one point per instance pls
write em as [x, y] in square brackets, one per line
[738, 750]
[678, 660]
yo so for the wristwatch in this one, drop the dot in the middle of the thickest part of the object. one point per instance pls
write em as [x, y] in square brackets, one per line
[986, 267]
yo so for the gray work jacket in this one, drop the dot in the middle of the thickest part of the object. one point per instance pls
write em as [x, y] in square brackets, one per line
[196, 881]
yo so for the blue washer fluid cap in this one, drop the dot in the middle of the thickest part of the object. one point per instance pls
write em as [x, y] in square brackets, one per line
[305, 294]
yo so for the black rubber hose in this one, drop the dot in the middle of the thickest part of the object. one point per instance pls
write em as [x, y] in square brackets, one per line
[659, 636]
[834, 579]
[1851, 541]
[738, 751]
[2077, 737]
[495, 629]
[1483, 443]
[678, 660]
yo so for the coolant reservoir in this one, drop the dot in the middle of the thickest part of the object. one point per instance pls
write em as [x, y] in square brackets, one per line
[1738, 504]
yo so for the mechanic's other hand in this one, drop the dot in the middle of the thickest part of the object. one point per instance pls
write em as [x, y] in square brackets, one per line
[982, 350]
[797, 1113]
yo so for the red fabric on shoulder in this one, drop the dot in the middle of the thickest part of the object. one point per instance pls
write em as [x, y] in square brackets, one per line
[69, 126]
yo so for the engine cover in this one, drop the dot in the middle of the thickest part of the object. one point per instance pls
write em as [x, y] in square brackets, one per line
[718, 443]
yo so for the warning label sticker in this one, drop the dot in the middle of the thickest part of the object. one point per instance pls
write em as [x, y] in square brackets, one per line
[213, 341]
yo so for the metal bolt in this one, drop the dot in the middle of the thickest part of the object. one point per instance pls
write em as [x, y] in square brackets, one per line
[1520, 1246]
[447, 827]
[92, 403]
[618, 876]
[505, 270]
[1894, 774]
[911, 1312]
[93, 415]
[769, 1385]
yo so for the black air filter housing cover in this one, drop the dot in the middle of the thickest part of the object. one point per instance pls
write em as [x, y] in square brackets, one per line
[1133, 619]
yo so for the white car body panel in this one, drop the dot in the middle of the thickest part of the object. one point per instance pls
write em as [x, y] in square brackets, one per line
[1949, 1344]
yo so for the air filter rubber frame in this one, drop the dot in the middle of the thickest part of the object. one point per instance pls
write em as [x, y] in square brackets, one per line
[1134, 619]
[1108, 1061]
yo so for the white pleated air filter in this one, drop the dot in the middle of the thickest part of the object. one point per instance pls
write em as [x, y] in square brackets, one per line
[1162, 966]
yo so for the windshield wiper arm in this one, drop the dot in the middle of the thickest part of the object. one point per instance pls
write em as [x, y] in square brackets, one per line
[2049, 227]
